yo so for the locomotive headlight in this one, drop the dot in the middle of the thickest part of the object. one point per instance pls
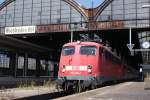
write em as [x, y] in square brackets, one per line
[64, 69]
[89, 69]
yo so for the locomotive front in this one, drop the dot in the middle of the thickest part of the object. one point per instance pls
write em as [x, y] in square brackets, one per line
[77, 67]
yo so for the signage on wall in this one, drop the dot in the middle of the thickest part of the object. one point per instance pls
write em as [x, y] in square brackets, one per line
[20, 30]
[108, 25]
[53, 28]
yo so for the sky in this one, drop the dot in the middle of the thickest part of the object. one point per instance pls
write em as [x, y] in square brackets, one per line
[88, 3]
[85, 3]
[1, 1]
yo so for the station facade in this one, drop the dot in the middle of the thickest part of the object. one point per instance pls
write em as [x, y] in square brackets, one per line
[49, 23]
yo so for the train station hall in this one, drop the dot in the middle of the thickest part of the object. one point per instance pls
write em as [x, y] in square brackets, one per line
[32, 33]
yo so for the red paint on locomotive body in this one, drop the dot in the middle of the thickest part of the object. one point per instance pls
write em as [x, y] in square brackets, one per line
[78, 62]
[91, 63]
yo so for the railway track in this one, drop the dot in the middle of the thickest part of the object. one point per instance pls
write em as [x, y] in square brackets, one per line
[41, 93]
[51, 95]
[48, 96]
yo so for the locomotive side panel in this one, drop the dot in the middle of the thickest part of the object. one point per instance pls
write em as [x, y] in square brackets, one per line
[111, 67]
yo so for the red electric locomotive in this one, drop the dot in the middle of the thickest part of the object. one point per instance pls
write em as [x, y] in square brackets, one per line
[88, 64]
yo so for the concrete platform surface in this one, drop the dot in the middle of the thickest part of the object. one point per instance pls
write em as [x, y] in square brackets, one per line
[123, 91]
[18, 93]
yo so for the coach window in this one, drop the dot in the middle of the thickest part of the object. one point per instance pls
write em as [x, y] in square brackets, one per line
[68, 51]
[20, 62]
[43, 64]
[51, 69]
[88, 50]
[31, 64]
[4, 61]
[51, 66]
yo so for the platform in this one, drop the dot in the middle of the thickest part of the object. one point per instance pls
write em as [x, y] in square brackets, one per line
[123, 91]
[27, 92]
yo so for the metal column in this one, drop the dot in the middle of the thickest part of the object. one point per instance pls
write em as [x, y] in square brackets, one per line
[25, 65]
[71, 35]
[16, 65]
[13, 64]
[38, 67]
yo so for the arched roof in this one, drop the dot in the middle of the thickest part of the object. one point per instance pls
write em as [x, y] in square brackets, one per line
[101, 7]
[87, 12]
[5, 3]
[72, 3]
[77, 7]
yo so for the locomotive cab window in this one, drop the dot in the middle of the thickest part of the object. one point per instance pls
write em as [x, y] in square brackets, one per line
[88, 50]
[66, 51]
